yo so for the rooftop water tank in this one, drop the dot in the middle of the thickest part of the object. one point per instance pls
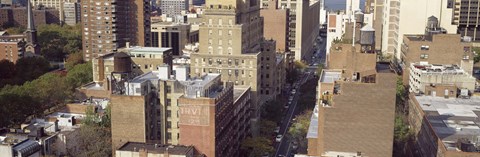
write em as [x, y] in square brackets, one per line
[122, 63]
[367, 35]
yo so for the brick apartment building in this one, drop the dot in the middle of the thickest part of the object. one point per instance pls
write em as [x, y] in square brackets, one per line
[17, 16]
[109, 25]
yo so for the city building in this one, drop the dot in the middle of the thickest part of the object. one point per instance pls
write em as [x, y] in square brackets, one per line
[304, 26]
[465, 17]
[31, 46]
[24, 147]
[71, 13]
[173, 35]
[232, 44]
[398, 21]
[214, 122]
[424, 75]
[434, 49]
[172, 8]
[444, 126]
[110, 25]
[134, 149]
[376, 8]
[275, 24]
[355, 103]
[62, 7]
[18, 16]
[151, 104]
[11, 50]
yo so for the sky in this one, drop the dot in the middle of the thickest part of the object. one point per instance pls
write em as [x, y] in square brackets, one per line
[339, 4]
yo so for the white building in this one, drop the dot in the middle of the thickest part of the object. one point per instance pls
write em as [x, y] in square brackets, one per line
[423, 74]
[410, 17]
[336, 26]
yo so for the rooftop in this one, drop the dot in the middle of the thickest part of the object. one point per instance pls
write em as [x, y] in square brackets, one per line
[452, 119]
[330, 76]
[156, 148]
[238, 92]
[437, 68]
[139, 49]
[313, 128]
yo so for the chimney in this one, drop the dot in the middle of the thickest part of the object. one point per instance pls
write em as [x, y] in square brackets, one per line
[127, 44]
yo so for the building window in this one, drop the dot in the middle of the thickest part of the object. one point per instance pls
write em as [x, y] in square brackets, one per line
[169, 102]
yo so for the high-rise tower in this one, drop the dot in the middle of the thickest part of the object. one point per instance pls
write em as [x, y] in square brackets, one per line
[109, 25]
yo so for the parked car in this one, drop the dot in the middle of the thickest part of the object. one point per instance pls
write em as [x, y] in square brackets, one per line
[286, 106]
[294, 91]
[290, 98]
[294, 145]
[277, 130]
[279, 138]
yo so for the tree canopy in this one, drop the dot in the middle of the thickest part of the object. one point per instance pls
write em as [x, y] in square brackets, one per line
[56, 41]
[257, 145]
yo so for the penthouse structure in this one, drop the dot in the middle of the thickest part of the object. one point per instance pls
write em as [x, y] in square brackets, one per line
[423, 75]
[444, 126]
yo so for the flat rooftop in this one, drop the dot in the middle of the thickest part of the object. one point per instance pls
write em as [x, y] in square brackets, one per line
[313, 128]
[330, 76]
[452, 119]
[238, 92]
[438, 68]
[153, 148]
[138, 49]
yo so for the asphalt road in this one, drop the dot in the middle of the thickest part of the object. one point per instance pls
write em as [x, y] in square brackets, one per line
[284, 148]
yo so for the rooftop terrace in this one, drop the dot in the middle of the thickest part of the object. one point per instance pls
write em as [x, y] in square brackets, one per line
[156, 148]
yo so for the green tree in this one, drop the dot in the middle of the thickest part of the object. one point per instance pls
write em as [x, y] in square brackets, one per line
[74, 59]
[94, 141]
[300, 65]
[30, 68]
[401, 132]
[7, 73]
[79, 75]
[271, 111]
[267, 127]
[50, 89]
[57, 41]
[15, 108]
[257, 146]
[299, 129]
[15, 30]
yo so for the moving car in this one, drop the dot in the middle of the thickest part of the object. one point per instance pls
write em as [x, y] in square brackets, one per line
[279, 138]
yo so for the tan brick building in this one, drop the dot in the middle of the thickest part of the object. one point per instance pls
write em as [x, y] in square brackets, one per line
[109, 25]
[276, 25]
[135, 149]
[356, 106]
[441, 49]
[232, 44]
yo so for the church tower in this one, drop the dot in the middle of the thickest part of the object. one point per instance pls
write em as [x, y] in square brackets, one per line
[31, 47]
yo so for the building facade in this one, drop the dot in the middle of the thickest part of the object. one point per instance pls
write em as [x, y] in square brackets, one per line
[173, 35]
[437, 49]
[135, 149]
[172, 8]
[232, 44]
[107, 26]
[275, 24]
[12, 50]
[304, 26]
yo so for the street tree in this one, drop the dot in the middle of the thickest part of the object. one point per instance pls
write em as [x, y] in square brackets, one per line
[257, 146]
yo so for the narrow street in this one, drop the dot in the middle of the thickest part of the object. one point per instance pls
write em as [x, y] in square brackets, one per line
[284, 147]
